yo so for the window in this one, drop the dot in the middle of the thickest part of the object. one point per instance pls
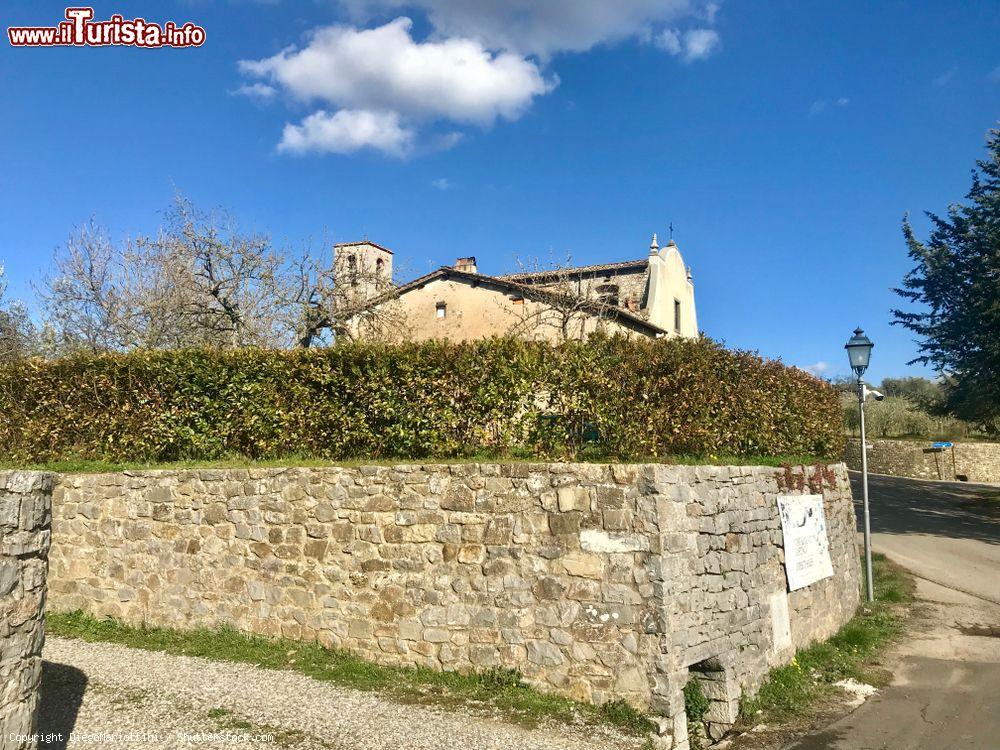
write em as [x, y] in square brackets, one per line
[677, 315]
[380, 266]
[517, 300]
[352, 270]
[608, 294]
[441, 309]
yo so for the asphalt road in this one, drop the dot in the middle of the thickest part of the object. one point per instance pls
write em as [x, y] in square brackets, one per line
[947, 672]
[945, 532]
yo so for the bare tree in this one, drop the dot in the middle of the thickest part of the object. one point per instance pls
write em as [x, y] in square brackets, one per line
[84, 299]
[339, 302]
[16, 329]
[199, 281]
[557, 304]
[224, 284]
[107, 297]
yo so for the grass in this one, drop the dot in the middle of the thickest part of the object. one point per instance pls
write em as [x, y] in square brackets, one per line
[791, 689]
[100, 466]
[497, 689]
[226, 721]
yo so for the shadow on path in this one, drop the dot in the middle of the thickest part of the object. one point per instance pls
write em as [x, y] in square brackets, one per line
[908, 506]
[60, 700]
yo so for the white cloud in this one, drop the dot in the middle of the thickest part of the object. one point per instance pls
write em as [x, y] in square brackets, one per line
[474, 68]
[669, 41]
[443, 141]
[700, 43]
[441, 183]
[543, 27]
[818, 106]
[385, 69]
[818, 368]
[945, 78]
[259, 91]
[694, 44]
[347, 131]
[821, 105]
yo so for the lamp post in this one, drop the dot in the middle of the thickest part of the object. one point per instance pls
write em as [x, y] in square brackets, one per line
[859, 352]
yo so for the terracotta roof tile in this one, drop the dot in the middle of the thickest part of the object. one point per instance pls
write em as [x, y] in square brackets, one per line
[597, 268]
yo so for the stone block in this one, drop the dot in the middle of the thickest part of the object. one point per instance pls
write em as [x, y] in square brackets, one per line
[10, 511]
[471, 554]
[572, 498]
[459, 498]
[436, 635]
[582, 564]
[544, 653]
[596, 540]
[564, 523]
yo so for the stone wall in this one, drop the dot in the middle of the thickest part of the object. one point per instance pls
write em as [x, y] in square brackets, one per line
[25, 517]
[597, 581]
[967, 462]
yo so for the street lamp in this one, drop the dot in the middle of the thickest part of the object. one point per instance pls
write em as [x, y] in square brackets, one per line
[859, 352]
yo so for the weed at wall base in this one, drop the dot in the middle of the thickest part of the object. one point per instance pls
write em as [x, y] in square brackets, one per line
[791, 689]
[696, 706]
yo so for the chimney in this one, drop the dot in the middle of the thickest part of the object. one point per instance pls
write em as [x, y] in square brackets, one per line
[466, 264]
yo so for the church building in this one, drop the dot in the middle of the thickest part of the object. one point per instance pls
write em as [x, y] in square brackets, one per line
[651, 296]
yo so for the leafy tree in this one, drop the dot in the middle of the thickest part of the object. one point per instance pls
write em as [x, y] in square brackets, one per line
[846, 384]
[921, 392]
[955, 285]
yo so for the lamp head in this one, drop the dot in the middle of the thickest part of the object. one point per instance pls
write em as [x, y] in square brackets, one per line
[859, 351]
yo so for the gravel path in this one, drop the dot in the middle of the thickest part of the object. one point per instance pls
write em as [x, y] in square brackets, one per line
[166, 701]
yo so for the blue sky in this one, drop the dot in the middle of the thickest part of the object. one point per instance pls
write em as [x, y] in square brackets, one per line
[784, 140]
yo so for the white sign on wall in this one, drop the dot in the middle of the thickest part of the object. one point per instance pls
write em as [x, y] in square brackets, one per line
[807, 548]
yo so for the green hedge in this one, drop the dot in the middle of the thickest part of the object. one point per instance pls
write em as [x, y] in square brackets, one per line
[610, 397]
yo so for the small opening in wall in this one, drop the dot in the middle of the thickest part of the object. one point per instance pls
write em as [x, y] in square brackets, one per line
[608, 294]
[441, 309]
[677, 315]
[711, 702]
[352, 269]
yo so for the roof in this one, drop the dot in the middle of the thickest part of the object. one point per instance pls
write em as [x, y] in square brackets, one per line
[527, 290]
[625, 265]
[364, 242]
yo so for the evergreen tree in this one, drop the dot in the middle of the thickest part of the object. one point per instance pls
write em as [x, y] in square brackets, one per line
[955, 286]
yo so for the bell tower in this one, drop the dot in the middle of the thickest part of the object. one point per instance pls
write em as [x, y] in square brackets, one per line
[364, 264]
